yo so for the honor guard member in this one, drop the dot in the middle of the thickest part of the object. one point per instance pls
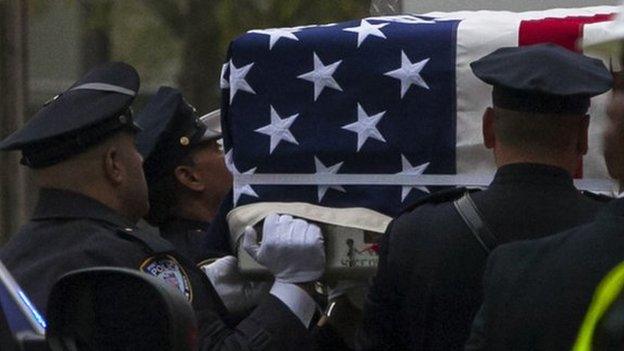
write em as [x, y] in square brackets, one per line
[186, 174]
[80, 146]
[428, 286]
[189, 192]
[536, 293]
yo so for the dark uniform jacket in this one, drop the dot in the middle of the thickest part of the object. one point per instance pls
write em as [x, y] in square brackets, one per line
[218, 237]
[188, 237]
[202, 242]
[536, 293]
[70, 231]
[428, 286]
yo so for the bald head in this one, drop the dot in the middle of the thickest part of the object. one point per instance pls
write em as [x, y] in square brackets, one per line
[110, 172]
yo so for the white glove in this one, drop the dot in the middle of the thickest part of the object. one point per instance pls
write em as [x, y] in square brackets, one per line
[237, 293]
[291, 249]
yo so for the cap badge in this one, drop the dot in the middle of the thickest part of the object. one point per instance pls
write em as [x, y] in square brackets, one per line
[52, 99]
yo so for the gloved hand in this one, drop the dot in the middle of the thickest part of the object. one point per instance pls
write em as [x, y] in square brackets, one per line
[237, 293]
[291, 249]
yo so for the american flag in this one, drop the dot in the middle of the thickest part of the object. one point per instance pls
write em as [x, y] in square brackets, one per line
[377, 112]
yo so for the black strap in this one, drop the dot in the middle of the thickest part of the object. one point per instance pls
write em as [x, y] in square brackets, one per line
[469, 212]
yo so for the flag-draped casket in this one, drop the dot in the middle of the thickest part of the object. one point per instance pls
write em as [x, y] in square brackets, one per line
[377, 112]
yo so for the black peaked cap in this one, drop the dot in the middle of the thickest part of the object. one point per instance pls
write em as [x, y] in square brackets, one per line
[543, 78]
[169, 130]
[95, 106]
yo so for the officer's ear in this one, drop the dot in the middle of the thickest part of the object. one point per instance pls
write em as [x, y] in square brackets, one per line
[189, 177]
[113, 167]
[582, 144]
[489, 137]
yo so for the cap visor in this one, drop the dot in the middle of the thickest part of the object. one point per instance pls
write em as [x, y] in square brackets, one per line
[211, 134]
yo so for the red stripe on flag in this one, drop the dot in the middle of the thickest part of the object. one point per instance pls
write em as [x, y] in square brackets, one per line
[561, 31]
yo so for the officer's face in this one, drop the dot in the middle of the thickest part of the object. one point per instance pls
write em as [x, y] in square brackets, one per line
[614, 131]
[134, 187]
[210, 165]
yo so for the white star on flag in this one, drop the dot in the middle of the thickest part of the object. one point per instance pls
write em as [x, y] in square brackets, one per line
[279, 129]
[365, 127]
[365, 29]
[237, 189]
[276, 34]
[409, 73]
[321, 169]
[224, 84]
[408, 169]
[237, 79]
[322, 76]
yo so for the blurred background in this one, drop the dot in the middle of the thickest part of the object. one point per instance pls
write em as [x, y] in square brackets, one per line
[45, 45]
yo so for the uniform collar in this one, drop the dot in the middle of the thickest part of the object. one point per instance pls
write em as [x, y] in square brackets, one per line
[184, 224]
[65, 204]
[533, 173]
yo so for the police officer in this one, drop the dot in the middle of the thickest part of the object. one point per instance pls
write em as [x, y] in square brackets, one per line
[537, 292]
[186, 174]
[427, 289]
[80, 146]
[187, 180]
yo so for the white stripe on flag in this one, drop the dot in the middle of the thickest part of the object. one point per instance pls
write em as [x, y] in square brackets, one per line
[478, 34]
[475, 180]
[594, 165]
[527, 15]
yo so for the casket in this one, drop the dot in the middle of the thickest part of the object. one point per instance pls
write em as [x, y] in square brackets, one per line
[372, 114]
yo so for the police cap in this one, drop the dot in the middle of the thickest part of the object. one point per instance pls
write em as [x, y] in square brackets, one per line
[170, 129]
[543, 78]
[93, 108]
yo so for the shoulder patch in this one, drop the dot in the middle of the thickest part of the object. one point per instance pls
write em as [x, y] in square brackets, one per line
[596, 196]
[439, 197]
[169, 270]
